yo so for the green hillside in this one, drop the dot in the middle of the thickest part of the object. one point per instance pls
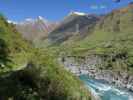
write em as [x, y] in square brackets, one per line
[112, 40]
[15, 48]
[27, 73]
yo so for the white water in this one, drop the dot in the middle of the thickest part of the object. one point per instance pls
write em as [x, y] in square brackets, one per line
[105, 91]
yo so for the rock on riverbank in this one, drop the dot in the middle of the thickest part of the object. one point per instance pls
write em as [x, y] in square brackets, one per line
[87, 65]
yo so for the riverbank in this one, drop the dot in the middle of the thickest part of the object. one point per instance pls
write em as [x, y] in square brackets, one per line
[88, 67]
[104, 90]
[121, 80]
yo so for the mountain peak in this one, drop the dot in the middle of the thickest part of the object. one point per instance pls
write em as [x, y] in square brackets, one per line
[40, 18]
[33, 29]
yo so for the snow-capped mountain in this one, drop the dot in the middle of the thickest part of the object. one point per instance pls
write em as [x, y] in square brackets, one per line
[75, 23]
[35, 28]
[40, 29]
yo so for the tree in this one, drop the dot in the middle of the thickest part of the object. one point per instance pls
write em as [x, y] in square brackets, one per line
[4, 58]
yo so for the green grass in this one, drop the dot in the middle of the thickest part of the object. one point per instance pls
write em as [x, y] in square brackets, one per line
[116, 46]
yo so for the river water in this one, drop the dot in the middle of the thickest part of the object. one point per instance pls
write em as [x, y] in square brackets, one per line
[105, 91]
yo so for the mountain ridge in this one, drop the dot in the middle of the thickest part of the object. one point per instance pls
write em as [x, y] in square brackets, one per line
[33, 29]
[73, 24]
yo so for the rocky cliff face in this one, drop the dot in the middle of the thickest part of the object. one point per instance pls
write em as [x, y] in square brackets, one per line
[120, 79]
[88, 65]
[80, 65]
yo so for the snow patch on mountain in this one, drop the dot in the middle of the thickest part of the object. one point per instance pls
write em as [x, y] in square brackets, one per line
[40, 17]
[78, 13]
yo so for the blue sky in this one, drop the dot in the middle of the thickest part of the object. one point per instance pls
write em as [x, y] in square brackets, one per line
[18, 10]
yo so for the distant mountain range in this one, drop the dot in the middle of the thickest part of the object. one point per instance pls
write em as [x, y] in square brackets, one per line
[33, 29]
[75, 23]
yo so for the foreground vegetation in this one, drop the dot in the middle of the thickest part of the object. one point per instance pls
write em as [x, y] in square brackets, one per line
[27, 73]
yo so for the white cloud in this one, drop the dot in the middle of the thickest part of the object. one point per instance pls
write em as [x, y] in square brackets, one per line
[95, 7]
